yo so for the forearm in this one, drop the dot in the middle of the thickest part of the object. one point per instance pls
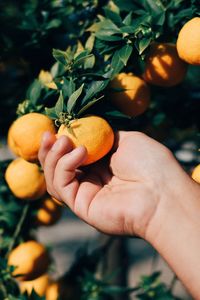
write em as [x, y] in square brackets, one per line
[177, 237]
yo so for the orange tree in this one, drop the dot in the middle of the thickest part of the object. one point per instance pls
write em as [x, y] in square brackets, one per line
[128, 65]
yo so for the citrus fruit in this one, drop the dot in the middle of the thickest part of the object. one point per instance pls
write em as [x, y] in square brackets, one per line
[48, 213]
[25, 179]
[58, 201]
[135, 99]
[30, 259]
[93, 132]
[39, 284]
[188, 42]
[61, 289]
[24, 135]
[53, 291]
[196, 173]
[163, 67]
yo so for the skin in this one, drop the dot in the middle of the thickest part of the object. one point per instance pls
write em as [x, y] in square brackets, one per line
[140, 190]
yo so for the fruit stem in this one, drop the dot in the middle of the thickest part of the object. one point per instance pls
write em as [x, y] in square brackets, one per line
[18, 228]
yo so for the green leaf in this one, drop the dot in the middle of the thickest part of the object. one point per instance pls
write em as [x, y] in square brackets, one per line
[51, 113]
[61, 56]
[34, 91]
[89, 62]
[120, 58]
[82, 60]
[113, 16]
[90, 42]
[68, 87]
[142, 44]
[94, 88]
[59, 105]
[128, 19]
[53, 24]
[73, 98]
[104, 36]
[125, 53]
[88, 105]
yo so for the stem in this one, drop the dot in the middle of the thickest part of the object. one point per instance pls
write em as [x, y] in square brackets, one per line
[18, 228]
[173, 282]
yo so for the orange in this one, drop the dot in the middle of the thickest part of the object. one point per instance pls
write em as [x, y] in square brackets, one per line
[53, 291]
[39, 284]
[30, 259]
[188, 42]
[163, 65]
[24, 135]
[92, 132]
[25, 180]
[61, 289]
[58, 201]
[48, 213]
[196, 173]
[135, 99]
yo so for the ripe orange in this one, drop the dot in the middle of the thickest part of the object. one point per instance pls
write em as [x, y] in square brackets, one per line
[48, 213]
[163, 65]
[188, 42]
[196, 174]
[31, 260]
[53, 291]
[58, 201]
[25, 180]
[93, 132]
[39, 284]
[135, 99]
[24, 135]
[61, 289]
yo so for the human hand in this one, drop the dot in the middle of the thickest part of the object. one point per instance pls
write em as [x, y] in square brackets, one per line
[119, 196]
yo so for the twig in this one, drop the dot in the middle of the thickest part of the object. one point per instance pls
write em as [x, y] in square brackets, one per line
[18, 228]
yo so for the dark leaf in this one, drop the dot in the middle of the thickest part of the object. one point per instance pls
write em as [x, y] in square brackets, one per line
[59, 105]
[73, 98]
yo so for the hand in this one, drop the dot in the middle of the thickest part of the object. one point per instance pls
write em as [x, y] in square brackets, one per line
[119, 196]
[141, 190]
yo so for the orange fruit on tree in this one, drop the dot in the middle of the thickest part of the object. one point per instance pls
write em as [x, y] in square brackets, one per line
[163, 66]
[196, 173]
[48, 213]
[30, 259]
[58, 201]
[24, 135]
[134, 100]
[25, 179]
[60, 290]
[188, 42]
[39, 285]
[53, 291]
[93, 132]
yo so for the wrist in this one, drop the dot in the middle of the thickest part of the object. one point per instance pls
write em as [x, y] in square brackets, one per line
[175, 232]
[178, 205]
